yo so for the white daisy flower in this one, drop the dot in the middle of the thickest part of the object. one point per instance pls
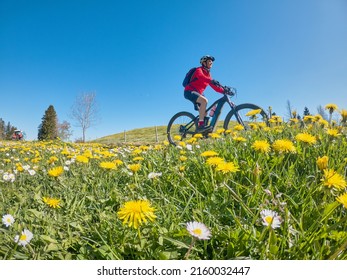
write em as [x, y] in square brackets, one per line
[7, 220]
[198, 230]
[268, 192]
[26, 167]
[32, 172]
[271, 218]
[153, 175]
[9, 177]
[24, 238]
[5, 177]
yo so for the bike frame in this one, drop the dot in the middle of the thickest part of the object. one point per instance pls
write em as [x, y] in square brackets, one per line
[220, 104]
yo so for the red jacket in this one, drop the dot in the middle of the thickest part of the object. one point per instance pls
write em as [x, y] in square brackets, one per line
[200, 80]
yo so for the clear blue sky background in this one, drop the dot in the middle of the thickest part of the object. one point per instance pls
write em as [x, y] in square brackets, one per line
[134, 55]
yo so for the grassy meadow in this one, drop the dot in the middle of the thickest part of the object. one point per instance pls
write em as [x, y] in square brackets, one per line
[275, 192]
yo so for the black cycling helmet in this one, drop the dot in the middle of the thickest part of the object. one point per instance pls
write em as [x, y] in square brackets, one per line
[206, 57]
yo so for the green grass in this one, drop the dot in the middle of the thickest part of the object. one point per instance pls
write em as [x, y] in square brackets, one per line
[229, 202]
[139, 136]
[148, 135]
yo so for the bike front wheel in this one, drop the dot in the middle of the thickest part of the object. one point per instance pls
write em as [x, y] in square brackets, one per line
[246, 115]
[182, 126]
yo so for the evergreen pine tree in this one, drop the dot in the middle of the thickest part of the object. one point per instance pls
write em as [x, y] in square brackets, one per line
[48, 129]
[306, 112]
[9, 130]
[2, 129]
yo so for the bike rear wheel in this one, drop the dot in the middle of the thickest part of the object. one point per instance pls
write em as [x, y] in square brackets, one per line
[182, 126]
[246, 115]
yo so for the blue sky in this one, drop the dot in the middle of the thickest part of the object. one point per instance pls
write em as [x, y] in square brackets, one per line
[134, 55]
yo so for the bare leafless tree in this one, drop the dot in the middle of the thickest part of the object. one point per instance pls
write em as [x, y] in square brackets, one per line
[84, 111]
[321, 111]
[64, 130]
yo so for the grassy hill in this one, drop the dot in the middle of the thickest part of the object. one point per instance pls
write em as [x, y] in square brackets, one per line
[147, 135]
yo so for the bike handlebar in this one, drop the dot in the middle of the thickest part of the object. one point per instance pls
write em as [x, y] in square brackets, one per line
[227, 90]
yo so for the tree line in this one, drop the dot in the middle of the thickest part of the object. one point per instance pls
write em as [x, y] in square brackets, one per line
[6, 130]
[84, 112]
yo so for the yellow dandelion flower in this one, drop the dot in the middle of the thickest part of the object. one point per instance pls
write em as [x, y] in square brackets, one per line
[183, 158]
[261, 146]
[65, 151]
[88, 154]
[19, 167]
[108, 165]
[209, 154]
[293, 121]
[227, 167]
[198, 136]
[82, 159]
[306, 138]
[56, 171]
[215, 135]
[342, 199]
[238, 127]
[220, 131]
[283, 146]
[192, 140]
[308, 118]
[262, 125]
[333, 180]
[253, 126]
[343, 113]
[253, 112]
[239, 139]
[177, 137]
[52, 202]
[137, 151]
[36, 160]
[52, 159]
[134, 167]
[333, 132]
[318, 118]
[138, 159]
[322, 162]
[182, 144]
[331, 107]
[118, 162]
[214, 161]
[166, 143]
[158, 147]
[135, 213]
[276, 119]
[323, 123]
[144, 148]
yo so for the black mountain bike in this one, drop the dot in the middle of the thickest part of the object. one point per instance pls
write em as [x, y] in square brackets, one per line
[183, 125]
